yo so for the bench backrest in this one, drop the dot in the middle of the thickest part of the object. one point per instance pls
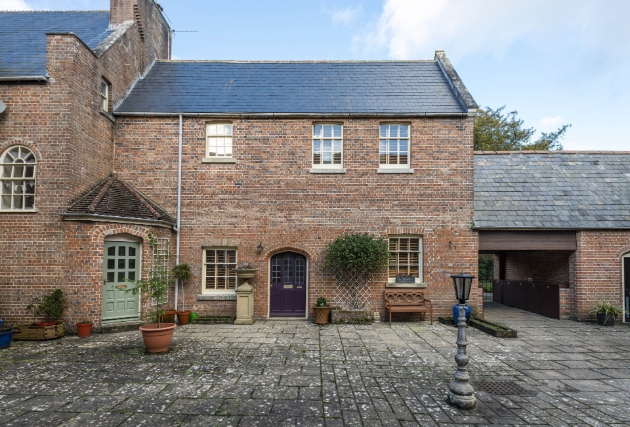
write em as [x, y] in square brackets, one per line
[405, 297]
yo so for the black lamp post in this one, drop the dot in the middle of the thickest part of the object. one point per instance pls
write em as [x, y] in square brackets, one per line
[461, 393]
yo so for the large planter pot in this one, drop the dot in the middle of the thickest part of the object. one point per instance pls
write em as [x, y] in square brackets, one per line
[245, 273]
[38, 333]
[157, 340]
[169, 316]
[6, 336]
[606, 319]
[321, 314]
[84, 330]
[184, 317]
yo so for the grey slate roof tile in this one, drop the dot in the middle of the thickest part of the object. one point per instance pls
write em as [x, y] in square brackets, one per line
[344, 87]
[552, 190]
[23, 37]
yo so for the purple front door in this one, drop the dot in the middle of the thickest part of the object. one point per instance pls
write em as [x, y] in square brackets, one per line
[288, 285]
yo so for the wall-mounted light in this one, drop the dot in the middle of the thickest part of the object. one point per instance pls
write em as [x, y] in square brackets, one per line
[260, 247]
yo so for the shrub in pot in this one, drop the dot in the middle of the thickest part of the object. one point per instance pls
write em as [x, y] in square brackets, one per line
[6, 337]
[607, 313]
[153, 291]
[181, 272]
[50, 307]
[321, 310]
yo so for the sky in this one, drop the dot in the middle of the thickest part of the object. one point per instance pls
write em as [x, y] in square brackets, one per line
[554, 61]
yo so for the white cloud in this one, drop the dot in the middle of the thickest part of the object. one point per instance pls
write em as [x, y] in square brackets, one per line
[549, 124]
[410, 29]
[345, 16]
[14, 5]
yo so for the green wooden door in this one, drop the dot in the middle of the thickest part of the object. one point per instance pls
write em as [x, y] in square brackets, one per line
[122, 261]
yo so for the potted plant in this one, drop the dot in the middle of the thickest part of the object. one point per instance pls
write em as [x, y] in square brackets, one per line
[153, 290]
[181, 272]
[245, 271]
[351, 259]
[322, 311]
[84, 328]
[51, 307]
[6, 336]
[607, 313]
[405, 278]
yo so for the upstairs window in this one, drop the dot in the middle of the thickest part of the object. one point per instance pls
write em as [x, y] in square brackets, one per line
[18, 179]
[104, 96]
[327, 146]
[394, 146]
[405, 257]
[219, 140]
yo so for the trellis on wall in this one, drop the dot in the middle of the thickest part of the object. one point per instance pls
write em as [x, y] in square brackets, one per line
[160, 259]
[351, 291]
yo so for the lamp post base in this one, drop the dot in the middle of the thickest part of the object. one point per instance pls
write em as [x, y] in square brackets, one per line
[461, 393]
[461, 401]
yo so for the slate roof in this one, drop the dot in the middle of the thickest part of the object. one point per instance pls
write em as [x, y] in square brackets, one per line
[307, 87]
[113, 197]
[552, 190]
[23, 37]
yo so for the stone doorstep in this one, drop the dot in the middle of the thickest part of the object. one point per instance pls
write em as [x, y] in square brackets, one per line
[114, 327]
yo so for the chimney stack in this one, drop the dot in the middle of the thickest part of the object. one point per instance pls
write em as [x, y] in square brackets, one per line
[121, 11]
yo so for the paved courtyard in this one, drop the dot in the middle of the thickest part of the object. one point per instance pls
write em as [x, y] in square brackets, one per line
[285, 373]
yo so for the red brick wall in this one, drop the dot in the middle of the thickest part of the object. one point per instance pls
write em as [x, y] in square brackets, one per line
[269, 196]
[73, 142]
[541, 266]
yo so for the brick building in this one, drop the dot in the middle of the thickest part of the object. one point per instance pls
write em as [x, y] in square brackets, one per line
[559, 226]
[115, 158]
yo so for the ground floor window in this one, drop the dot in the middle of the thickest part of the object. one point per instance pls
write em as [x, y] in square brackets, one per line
[405, 257]
[218, 269]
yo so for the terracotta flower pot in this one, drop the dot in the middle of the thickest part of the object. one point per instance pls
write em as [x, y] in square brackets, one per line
[84, 330]
[157, 339]
[321, 314]
[169, 316]
[184, 317]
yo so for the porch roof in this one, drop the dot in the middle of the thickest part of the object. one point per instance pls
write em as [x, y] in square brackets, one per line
[552, 190]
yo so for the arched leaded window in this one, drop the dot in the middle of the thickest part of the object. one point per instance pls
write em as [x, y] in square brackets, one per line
[17, 172]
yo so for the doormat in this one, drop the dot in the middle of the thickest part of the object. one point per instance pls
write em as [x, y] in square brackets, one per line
[503, 388]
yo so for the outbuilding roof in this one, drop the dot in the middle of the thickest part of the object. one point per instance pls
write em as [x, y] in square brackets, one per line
[299, 87]
[113, 199]
[552, 190]
[23, 37]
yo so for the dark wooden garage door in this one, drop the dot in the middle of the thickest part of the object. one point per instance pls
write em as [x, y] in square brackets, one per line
[539, 298]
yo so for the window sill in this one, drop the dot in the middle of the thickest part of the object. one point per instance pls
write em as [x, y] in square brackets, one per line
[331, 170]
[217, 297]
[107, 114]
[30, 211]
[407, 285]
[393, 170]
[218, 160]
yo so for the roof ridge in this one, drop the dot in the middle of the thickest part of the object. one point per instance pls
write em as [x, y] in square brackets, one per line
[487, 153]
[298, 61]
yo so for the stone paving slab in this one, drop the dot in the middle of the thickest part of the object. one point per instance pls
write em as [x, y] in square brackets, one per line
[295, 373]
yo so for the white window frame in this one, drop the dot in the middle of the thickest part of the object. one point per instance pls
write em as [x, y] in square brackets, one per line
[388, 138]
[420, 279]
[104, 95]
[11, 166]
[332, 138]
[217, 136]
[205, 291]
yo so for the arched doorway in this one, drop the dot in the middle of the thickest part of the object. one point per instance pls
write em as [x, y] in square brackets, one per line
[121, 261]
[287, 293]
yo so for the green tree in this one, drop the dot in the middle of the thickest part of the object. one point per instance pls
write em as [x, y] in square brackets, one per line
[496, 130]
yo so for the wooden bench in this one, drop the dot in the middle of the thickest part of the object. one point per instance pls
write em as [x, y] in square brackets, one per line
[407, 301]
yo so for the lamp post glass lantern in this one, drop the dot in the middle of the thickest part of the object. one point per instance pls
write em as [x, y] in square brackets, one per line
[461, 393]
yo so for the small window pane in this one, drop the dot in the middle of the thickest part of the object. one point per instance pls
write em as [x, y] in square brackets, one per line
[131, 275]
[7, 171]
[111, 251]
[111, 263]
[14, 153]
[30, 187]
[228, 129]
[337, 145]
[18, 171]
[111, 276]
[6, 187]
[132, 263]
[132, 251]
[317, 131]
[121, 251]
[317, 159]
[393, 131]
[17, 202]
[29, 202]
[327, 131]
[121, 276]
[404, 131]
[6, 202]
[121, 263]
[327, 158]
[30, 171]
[317, 145]
[327, 145]
[212, 129]
[337, 131]
[30, 158]
[383, 131]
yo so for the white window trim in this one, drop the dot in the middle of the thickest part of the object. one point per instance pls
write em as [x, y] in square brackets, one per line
[391, 281]
[218, 159]
[104, 97]
[331, 166]
[205, 291]
[11, 179]
[387, 165]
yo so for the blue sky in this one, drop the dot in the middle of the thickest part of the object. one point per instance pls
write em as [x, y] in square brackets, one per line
[555, 61]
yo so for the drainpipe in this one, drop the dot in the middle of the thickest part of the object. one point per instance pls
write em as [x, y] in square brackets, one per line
[179, 204]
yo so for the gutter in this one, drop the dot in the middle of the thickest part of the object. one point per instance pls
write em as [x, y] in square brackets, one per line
[69, 216]
[317, 115]
[179, 204]
[25, 78]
